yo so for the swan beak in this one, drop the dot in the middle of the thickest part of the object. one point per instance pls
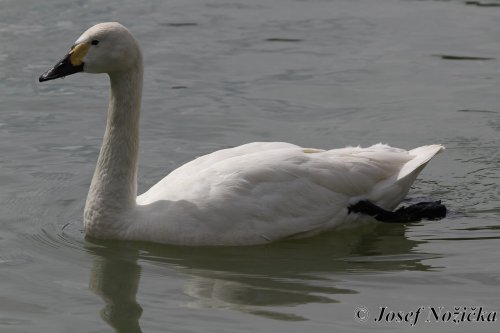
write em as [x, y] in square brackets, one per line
[72, 63]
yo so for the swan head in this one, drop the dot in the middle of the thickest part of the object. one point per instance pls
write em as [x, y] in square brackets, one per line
[104, 48]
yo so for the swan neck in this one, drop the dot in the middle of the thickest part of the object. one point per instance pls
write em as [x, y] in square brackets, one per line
[113, 190]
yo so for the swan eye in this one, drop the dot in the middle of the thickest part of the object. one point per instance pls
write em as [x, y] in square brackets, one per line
[94, 42]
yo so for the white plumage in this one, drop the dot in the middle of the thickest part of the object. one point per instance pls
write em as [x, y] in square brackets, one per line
[267, 191]
[252, 194]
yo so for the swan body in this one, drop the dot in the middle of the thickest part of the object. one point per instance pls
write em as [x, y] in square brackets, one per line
[252, 194]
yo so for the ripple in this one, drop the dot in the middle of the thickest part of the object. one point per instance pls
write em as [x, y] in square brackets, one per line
[482, 4]
[179, 24]
[68, 236]
[461, 58]
[15, 259]
[284, 40]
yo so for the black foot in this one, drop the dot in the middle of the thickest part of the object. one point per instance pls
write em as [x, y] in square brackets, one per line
[413, 213]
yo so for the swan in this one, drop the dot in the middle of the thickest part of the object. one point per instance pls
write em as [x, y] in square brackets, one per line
[256, 193]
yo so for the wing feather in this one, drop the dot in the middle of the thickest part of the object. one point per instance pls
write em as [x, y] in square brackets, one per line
[274, 190]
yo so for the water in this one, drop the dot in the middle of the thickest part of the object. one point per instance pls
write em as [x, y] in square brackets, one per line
[222, 73]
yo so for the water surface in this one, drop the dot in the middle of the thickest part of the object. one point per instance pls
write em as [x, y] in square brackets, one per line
[222, 73]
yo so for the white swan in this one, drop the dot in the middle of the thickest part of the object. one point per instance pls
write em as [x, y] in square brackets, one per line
[252, 194]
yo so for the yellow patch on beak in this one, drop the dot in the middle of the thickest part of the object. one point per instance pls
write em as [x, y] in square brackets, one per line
[77, 53]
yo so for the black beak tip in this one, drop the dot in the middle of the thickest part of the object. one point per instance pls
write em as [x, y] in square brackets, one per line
[51, 74]
[42, 78]
[61, 69]
[47, 77]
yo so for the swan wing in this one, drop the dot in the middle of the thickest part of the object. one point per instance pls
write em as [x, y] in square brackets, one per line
[250, 195]
[185, 172]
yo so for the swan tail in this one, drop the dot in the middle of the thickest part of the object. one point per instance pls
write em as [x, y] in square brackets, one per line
[412, 169]
[422, 156]
[391, 192]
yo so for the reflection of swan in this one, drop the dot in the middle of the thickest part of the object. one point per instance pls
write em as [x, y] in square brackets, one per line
[252, 194]
[268, 281]
[116, 279]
